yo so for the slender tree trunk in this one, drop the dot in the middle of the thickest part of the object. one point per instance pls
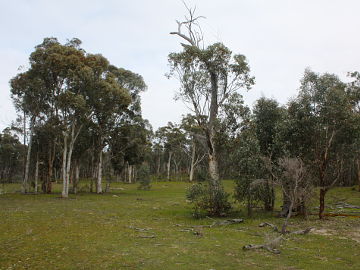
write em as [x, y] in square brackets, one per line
[65, 183]
[25, 186]
[93, 172]
[68, 165]
[284, 226]
[24, 142]
[51, 159]
[99, 176]
[169, 166]
[192, 165]
[36, 173]
[68, 157]
[176, 167]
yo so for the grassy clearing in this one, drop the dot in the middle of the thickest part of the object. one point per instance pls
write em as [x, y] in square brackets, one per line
[90, 231]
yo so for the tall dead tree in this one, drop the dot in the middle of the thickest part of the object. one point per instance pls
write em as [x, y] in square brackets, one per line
[208, 77]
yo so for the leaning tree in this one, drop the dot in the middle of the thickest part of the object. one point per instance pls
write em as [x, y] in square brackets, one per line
[208, 75]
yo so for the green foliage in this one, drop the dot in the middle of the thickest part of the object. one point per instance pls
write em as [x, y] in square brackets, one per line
[11, 156]
[207, 201]
[143, 177]
[250, 188]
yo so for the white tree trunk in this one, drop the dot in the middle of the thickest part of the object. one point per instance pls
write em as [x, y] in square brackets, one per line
[99, 175]
[67, 159]
[25, 186]
[192, 166]
[65, 184]
[68, 165]
[168, 166]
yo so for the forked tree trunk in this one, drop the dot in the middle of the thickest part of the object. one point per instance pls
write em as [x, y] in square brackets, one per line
[169, 166]
[68, 150]
[284, 226]
[25, 186]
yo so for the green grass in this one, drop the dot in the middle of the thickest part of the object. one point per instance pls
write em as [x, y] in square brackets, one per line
[90, 231]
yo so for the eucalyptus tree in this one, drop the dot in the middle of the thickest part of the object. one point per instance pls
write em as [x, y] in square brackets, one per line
[29, 94]
[108, 100]
[208, 77]
[128, 145]
[172, 139]
[320, 127]
[194, 149]
[11, 155]
[354, 93]
[267, 116]
[249, 184]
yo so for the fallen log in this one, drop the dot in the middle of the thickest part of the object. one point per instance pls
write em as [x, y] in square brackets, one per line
[269, 246]
[265, 224]
[146, 236]
[266, 247]
[139, 229]
[227, 222]
[306, 231]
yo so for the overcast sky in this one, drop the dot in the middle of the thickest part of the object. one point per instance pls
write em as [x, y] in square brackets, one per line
[280, 38]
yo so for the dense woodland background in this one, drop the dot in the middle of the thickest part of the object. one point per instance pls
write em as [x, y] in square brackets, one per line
[79, 117]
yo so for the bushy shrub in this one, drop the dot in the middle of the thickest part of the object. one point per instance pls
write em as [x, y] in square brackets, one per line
[207, 201]
[250, 191]
[143, 177]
